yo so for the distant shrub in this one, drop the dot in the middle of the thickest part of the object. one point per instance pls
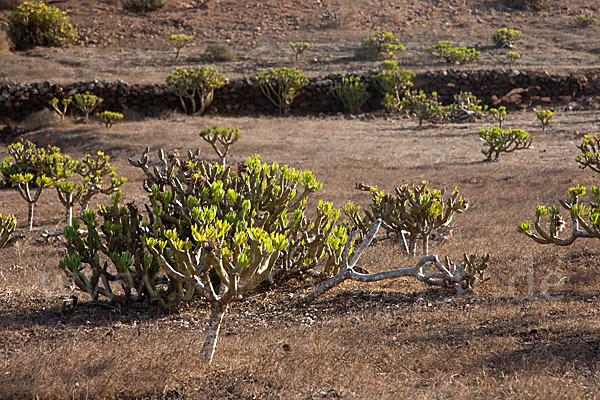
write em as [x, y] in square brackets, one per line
[225, 137]
[590, 153]
[179, 42]
[8, 223]
[498, 115]
[86, 102]
[352, 93]
[454, 55]
[545, 117]
[220, 52]
[506, 37]
[281, 86]
[383, 45]
[109, 118]
[36, 24]
[393, 83]
[466, 106]
[191, 82]
[584, 20]
[537, 5]
[62, 109]
[299, 48]
[512, 57]
[507, 141]
[144, 5]
[425, 107]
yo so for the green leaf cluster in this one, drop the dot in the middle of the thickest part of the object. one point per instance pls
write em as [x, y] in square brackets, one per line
[506, 37]
[585, 20]
[299, 48]
[8, 223]
[415, 210]
[226, 137]
[454, 55]
[109, 118]
[425, 107]
[545, 117]
[86, 102]
[36, 24]
[504, 141]
[393, 82]
[179, 42]
[383, 44]
[191, 82]
[590, 153]
[352, 92]
[281, 86]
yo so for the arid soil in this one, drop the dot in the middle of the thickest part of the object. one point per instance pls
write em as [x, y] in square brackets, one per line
[531, 331]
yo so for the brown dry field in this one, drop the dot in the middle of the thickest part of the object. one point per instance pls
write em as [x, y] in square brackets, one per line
[530, 332]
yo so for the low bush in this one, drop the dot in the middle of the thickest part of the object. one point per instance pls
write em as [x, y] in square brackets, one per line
[179, 42]
[584, 20]
[590, 153]
[507, 141]
[512, 57]
[63, 107]
[352, 93]
[225, 137]
[393, 83]
[36, 24]
[281, 86]
[466, 106]
[8, 223]
[109, 118]
[220, 52]
[425, 107]
[144, 5]
[412, 212]
[498, 115]
[505, 37]
[545, 117]
[191, 82]
[86, 103]
[299, 48]
[383, 45]
[454, 55]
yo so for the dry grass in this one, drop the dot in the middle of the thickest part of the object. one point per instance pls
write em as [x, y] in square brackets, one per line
[530, 332]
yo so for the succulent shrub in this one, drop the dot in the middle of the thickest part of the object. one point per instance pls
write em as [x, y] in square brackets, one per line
[383, 45]
[144, 5]
[352, 93]
[226, 137]
[498, 115]
[299, 48]
[412, 212]
[30, 169]
[190, 83]
[179, 42]
[506, 37]
[393, 82]
[584, 20]
[281, 86]
[504, 141]
[109, 118]
[8, 223]
[466, 106]
[208, 231]
[585, 219]
[454, 55]
[65, 105]
[590, 153]
[36, 24]
[512, 57]
[98, 177]
[86, 103]
[425, 107]
[545, 117]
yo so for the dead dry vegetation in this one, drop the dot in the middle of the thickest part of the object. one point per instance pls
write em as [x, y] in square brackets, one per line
[531, 331]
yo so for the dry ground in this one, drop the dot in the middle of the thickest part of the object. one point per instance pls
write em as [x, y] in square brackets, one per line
[532, 331]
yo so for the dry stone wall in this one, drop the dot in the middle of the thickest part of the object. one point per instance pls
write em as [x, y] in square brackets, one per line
[494, 87]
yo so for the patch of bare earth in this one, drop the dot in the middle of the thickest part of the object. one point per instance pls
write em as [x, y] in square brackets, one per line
[532, 331]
